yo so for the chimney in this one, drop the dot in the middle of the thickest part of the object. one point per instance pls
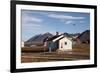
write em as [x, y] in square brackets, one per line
[57, 33]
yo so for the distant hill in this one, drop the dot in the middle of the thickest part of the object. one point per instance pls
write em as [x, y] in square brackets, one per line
[74, 34]
[67, 34]
[33, 38]
[84, 37]
[39, 38]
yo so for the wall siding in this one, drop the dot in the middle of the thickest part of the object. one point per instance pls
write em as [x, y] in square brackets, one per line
[65, 47]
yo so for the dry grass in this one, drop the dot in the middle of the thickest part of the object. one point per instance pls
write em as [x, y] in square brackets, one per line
[82, 48]
[79, 52]
[34, 49]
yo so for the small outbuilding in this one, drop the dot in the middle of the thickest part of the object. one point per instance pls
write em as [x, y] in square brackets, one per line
[22, 44]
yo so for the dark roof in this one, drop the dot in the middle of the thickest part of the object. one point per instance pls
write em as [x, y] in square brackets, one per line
[54, 37]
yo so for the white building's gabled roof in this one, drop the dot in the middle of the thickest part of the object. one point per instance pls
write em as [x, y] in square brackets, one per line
[58, 38]
[61, 36]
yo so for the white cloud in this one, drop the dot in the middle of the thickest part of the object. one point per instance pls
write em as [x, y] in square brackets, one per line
[81, 21]
[69, 22]
[30, 22]
[64, 17]
[31, 27]
[27, 18]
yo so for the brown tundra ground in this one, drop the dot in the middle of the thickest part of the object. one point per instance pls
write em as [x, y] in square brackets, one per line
[41, 54]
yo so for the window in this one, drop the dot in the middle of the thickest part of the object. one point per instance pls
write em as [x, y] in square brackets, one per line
[65, 43]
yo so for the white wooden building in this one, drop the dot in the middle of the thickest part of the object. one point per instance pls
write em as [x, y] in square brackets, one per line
[62, 43]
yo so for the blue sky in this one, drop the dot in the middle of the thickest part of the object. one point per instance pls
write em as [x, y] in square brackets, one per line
[39, 22]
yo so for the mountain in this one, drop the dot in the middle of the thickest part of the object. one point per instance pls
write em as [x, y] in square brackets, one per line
[67, 34]
[84, 37]
[39, 38]
[73, 35]
[33, 38]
